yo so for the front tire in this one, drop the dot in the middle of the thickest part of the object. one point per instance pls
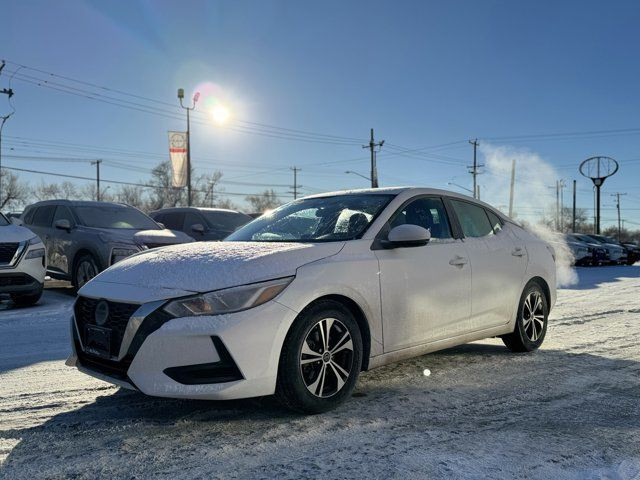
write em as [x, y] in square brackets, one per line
[84, 270]
[531, 322]
[320, 359]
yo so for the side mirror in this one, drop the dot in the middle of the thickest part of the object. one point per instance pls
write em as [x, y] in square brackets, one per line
[198, 228]
[161, 225]
[407, 235]
[63, 224]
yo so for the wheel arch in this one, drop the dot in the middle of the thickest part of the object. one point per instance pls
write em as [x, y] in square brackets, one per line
[359, 316]
[78, 255]
[542, 283]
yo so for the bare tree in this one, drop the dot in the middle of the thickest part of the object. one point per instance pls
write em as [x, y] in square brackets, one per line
[14, 192]
[132, 195]
[263, 201]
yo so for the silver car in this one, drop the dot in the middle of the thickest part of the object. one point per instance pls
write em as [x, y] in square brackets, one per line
[22, 263]
[84, 238]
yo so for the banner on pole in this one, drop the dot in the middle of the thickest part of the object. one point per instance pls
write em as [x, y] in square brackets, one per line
[178, 156]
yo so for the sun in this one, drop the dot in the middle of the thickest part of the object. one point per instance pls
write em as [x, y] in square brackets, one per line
[220, 114]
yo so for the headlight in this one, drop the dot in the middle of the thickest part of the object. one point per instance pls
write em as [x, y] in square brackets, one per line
[35, 253]
[118, 254]
[228, 300]
[35, 240]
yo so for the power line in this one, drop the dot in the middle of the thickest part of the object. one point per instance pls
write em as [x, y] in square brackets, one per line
[241, 125]
[117, 182]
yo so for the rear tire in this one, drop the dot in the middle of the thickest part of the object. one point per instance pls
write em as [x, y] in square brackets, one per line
[320, 360]
[26, 299]
[85, 268]
[531, 321]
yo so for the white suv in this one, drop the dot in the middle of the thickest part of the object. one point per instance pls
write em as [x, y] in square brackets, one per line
[22, 263]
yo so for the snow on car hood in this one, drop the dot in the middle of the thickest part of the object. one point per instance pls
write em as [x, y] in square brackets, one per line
[206, 266]
[14, 233]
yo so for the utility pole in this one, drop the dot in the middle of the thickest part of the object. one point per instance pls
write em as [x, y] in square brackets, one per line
[374, 169]
[618, 195]
[474, 169]
[295, 182]
[562, 185]
[513, 179]
[188, 109]
[573, 223]
[557, 205]
[97, 164]
[9, 93]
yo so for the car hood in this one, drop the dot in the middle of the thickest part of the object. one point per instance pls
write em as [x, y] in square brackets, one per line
[14, 233]
[144, 237]
[207, 266]
[612, 246]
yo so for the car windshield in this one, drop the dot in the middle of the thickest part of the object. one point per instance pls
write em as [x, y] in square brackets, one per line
[115, 216]
[227, 221]
[3, 221]
[321, 219]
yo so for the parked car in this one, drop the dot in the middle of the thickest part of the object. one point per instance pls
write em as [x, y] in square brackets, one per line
[299, 313]
[597, 254]
[201, 223]
[22, 263]
[633, 252]
[612, 252]
[618, 253]
[84, 238]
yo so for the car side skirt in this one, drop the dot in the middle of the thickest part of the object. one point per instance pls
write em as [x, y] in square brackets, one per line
[412, 352]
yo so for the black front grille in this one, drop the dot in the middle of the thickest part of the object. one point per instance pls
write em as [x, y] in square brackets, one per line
[119, 315]
[7, 251]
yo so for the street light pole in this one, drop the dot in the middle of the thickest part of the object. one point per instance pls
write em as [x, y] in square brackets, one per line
[188, 109]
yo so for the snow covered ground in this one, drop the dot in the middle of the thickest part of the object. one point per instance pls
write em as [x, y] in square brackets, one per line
[571, 410]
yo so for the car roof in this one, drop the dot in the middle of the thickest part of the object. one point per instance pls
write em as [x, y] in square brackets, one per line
[200, 209]
[410, 191]
[78, 203]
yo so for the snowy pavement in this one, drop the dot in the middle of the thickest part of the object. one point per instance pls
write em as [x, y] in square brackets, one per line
[569, 411]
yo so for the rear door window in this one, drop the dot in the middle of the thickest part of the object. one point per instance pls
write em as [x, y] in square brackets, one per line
[473, 219]
[43, 216]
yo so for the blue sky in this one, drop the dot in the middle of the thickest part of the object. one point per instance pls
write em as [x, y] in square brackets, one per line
[421, 73]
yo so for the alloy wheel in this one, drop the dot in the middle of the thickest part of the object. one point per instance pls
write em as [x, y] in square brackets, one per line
[326, 358]
[533, 316]
[86, 271]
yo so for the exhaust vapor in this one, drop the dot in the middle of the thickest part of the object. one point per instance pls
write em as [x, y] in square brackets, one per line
[533, 195]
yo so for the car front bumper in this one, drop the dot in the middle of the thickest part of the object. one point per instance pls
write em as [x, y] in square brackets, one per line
[25, 277]
[217, 357]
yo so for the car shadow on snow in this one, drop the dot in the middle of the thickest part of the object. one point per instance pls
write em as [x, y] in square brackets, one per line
[480, 403]
[590, 277]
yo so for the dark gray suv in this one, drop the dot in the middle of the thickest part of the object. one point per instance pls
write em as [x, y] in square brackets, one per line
[84, 238]
[202, 223]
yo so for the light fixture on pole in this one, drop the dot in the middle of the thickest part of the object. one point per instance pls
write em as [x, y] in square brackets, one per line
[188, 109]
[358, 174]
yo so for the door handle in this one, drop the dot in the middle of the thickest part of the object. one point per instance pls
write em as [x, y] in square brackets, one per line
[458, 261]
[518, 252]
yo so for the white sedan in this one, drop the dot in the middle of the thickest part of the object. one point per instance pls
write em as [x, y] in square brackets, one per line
[298, 302]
